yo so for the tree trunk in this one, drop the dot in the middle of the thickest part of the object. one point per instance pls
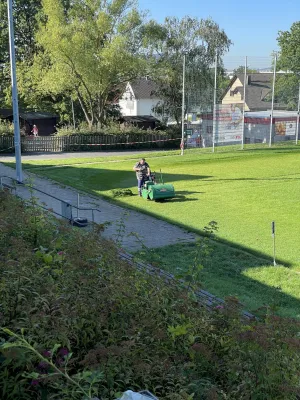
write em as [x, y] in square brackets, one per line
[89, 119]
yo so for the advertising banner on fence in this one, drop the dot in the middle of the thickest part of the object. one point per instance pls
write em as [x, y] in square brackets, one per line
[228, 121]
[285, 128]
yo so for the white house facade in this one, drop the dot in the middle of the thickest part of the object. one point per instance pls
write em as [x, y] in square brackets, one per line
[139, 98]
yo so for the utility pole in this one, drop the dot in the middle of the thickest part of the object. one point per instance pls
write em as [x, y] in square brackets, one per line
[273, 94]
[298, 116]
[215, 102]
[17, 138]
[244, 107]
[183, 107]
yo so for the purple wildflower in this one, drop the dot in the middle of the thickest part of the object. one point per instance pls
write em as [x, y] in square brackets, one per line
[34, 382]
[43, 367]
[63, 351]
[46, 353]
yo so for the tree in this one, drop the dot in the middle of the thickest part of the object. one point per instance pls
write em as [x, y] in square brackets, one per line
[25, 25]
[287, 85]
[287, 90]
[88, 51]
[241, 70]
[199, 40]
[289, 43]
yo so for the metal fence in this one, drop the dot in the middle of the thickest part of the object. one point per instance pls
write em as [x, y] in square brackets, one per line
[251, 102]
[89, 142]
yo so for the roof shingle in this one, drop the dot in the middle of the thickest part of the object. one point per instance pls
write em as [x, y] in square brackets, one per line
[144, 88]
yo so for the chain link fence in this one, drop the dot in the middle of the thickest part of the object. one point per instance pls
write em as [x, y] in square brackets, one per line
[241, 101]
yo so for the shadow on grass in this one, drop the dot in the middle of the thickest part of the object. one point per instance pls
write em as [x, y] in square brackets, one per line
[224, 275]
[107, 179]
[181, 197]
[177, 199]
[187, 192]
[275, 178]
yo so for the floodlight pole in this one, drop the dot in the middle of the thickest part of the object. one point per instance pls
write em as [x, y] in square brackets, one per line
[17, 139]
[183, 107]
[273, 94]
[215, 103]
[244, 106]
[298, 116]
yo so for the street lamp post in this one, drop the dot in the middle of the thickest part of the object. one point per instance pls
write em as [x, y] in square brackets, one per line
[183, 105]
[273, 94]
[17, 138]
[215, 104]
[298, 117]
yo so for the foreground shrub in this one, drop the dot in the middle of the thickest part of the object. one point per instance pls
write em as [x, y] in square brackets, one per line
[77, 322]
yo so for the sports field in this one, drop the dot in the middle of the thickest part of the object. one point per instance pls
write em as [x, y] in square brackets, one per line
[243, 191]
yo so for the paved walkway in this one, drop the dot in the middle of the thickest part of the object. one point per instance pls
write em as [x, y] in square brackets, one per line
[66, 155]
[139, 229]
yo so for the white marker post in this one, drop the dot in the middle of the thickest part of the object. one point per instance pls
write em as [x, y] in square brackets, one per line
[274, 247]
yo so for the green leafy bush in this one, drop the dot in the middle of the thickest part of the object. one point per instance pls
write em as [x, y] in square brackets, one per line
[6, 128]
[77, 322]
[111, 129]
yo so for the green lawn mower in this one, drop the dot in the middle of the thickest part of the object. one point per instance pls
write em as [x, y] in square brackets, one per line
[157, 191]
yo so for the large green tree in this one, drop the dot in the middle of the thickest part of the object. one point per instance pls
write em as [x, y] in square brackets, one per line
[287, 85]
[25, 25]
[289, 43]
[200, 40]
[287, 90]
[88, 51]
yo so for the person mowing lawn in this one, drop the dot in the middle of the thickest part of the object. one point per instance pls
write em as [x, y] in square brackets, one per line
[142, 170]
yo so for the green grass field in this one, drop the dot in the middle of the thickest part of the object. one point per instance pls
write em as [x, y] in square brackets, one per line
[244, 191]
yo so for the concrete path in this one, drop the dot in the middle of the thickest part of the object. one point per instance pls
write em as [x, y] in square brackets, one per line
[61, 156]
[130, 228]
